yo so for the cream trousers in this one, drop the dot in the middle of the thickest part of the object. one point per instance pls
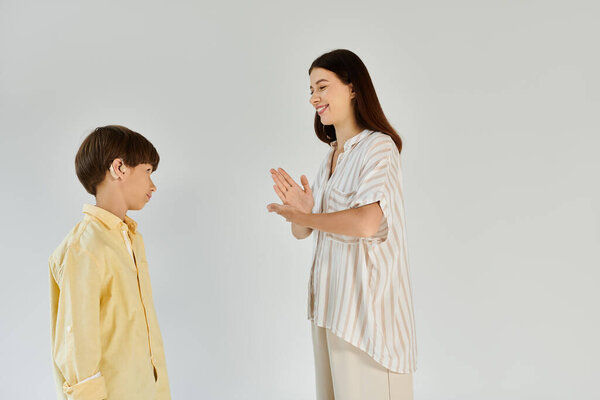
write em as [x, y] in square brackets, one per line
[344, 372]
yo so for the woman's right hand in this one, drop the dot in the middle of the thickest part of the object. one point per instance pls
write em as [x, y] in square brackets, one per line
[291, 193]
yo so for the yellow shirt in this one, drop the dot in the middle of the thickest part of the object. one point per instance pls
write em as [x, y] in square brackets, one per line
[106, 342]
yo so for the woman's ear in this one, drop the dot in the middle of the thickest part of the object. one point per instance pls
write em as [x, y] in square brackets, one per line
[352, 92]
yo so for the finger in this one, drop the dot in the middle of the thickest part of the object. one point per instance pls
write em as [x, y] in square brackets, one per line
[281, 179]
[280, 194]
[304, 181]
[273, 171]
[273, 207]
[287, 177]
[278, 179]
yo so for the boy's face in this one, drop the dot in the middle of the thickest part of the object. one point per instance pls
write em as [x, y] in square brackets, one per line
[138, 186]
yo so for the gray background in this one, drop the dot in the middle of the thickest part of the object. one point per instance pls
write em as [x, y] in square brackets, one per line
[497, 103]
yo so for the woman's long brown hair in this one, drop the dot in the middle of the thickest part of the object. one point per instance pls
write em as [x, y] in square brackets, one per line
[367, 109]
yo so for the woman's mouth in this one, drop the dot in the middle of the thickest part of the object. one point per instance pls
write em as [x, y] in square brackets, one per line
[321, 109]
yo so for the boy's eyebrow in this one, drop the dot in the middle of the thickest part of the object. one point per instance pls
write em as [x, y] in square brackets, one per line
[319, 81]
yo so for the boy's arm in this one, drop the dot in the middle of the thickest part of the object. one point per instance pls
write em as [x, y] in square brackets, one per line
[77, 348]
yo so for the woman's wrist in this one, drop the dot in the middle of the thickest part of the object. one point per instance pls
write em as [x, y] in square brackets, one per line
[304, 219]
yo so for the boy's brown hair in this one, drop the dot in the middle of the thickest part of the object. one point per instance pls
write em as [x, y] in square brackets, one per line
[103, 145]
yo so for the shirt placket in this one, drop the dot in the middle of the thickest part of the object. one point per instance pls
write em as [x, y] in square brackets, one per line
[125, 233]
[324, 192]
[126, 238]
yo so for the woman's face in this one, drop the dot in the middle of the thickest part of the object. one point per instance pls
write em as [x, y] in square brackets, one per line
[331, 97]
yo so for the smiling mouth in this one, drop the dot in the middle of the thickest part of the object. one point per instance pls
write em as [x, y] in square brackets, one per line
[321, 110]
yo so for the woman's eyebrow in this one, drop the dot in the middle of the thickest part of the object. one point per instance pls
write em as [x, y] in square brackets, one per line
[319, 81]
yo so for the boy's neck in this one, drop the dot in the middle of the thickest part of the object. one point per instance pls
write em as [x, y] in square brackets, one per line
[112, 204]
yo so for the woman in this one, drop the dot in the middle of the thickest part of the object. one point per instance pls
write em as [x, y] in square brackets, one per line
[360, 301]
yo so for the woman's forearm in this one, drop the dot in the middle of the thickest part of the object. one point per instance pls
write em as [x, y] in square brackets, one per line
[359, 222]
[300, 232]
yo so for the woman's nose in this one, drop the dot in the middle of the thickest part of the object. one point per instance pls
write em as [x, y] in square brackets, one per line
[314, 99]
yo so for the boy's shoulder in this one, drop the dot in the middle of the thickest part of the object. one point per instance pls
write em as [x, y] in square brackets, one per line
[86, 237]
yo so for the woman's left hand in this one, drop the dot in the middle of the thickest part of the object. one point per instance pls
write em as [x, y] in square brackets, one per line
[290, 192]
[290, 213]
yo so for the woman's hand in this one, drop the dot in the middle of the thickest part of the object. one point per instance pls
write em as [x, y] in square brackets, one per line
[292, 194]
[290, 213]
[359, 222]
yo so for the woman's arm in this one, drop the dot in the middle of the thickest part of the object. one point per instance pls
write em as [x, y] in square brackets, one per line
[300, 232]
[359, 222]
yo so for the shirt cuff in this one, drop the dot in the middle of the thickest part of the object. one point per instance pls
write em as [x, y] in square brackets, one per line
[92, 388]
[373, 197]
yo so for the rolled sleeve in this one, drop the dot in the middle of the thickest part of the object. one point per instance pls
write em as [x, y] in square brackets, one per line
[374, 179]
[77, 349]
[92, 388]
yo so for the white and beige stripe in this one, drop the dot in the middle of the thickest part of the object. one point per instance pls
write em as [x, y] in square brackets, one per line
[360, 288]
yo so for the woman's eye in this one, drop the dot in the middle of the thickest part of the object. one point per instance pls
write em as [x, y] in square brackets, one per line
[321, 88]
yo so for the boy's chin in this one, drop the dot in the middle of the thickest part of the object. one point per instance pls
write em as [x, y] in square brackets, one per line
[137, 207]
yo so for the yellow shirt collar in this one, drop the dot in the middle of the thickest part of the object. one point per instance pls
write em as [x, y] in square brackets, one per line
[109, 219]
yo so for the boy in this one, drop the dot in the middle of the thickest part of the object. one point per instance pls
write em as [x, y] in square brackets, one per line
[106, 342]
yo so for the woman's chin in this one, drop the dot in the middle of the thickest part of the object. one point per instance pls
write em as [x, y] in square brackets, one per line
[326, 121]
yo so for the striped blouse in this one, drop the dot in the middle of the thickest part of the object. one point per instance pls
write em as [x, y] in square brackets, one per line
[359, 288]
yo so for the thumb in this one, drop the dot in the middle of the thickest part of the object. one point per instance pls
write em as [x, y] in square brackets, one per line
[305, 184]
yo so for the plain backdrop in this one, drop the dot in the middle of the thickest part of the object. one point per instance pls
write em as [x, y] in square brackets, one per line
[497, 103]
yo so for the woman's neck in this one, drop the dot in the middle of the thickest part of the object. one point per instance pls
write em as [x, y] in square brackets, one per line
[345, 131]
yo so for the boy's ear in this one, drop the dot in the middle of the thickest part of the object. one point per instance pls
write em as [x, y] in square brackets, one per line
[117, 168]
